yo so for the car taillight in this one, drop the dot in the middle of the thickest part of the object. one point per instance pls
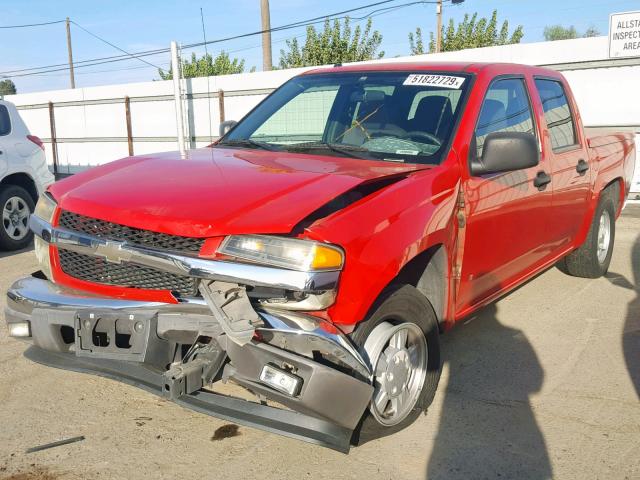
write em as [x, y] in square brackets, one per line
[36, 140]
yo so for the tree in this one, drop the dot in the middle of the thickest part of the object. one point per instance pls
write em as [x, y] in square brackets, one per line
[7, 87]
[207, 66]
[472, 32]
[337, 43]
[591, 32]
[558, 32]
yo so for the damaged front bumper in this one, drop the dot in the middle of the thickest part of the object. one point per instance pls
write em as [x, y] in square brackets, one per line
[292, 359]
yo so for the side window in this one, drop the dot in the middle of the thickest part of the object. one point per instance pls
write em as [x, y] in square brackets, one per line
[5, 121]
[505, 108]
[557, 113]
[302, 119]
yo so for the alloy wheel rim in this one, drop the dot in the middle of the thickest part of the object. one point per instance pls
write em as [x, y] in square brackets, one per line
[398, 356]
[604, 236]
[15, 218]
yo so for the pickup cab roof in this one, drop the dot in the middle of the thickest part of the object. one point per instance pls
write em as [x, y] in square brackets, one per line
[484, 68]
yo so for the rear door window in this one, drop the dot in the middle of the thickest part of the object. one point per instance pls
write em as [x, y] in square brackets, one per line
[5, 121]
[557, 114]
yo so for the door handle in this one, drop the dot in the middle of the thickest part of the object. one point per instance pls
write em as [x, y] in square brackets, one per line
[582, 167]
[541, 180]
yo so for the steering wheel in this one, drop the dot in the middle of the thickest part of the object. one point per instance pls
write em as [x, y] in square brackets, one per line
[424, 135]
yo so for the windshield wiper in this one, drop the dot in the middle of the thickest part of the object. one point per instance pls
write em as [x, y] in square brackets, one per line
[247, 142]
[348, 150]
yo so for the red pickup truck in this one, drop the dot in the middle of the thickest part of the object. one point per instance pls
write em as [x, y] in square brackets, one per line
[315, 252]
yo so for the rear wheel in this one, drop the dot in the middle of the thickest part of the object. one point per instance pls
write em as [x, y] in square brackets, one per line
[592, 258]
[401, 340]
[16, 205]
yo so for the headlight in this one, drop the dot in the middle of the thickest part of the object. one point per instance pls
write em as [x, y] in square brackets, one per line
[46, 207]
[291, 253]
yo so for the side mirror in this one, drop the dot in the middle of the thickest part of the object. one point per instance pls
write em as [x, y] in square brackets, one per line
[226, 126]
[506, 152]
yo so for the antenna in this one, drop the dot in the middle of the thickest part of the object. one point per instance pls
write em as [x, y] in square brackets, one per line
[206, 56]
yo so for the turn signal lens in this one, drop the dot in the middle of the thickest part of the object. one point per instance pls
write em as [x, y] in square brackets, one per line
[291, 253]
[42, 254]
[326, 258]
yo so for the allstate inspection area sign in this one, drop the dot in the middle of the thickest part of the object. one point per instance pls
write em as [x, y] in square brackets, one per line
[624, 35]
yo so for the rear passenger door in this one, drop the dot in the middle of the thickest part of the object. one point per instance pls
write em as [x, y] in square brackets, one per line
[569, 160]
[506, 226]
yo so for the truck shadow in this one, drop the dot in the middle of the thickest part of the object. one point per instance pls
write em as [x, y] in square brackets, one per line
[631, 329]
[4, 254]
[487, 426]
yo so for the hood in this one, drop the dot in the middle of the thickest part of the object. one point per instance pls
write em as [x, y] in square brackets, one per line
[216, 191]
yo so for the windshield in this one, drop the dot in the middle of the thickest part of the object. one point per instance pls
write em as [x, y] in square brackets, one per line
[393, 116]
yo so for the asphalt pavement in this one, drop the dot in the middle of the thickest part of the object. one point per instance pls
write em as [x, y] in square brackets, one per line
[544, 383]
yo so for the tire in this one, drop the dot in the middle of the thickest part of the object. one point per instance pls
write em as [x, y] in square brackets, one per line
[590, 260]
[400, 308]
[16, 205]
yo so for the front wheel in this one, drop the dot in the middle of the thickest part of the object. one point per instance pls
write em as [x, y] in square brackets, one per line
[401, 341]
[592, 258]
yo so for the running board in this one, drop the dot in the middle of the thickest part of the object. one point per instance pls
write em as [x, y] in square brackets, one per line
[275, 420]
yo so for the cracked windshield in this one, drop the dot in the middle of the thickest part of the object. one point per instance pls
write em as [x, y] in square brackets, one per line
[392, 116]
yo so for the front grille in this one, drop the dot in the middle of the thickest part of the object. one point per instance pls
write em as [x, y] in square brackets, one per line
[98, 270]
[133, 236]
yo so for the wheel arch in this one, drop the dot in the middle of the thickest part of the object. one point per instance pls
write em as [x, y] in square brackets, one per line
[24, 180]
[614, 187]
[428, 272]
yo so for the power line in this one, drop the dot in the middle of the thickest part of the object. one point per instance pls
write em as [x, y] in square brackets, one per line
[128, 56]
[111, 44]
[33, 24]
[320, 19]
[79, 63]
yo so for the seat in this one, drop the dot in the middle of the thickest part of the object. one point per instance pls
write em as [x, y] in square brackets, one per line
[434, 115]
[492, 119]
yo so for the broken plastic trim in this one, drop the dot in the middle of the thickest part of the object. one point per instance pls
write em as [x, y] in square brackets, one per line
[271, 419]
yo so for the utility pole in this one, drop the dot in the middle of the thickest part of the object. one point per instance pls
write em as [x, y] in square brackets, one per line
[439, 26]
[71, 76]
[266, 35]
[177, 97]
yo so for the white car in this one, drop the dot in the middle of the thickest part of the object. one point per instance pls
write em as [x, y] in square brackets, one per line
[23, 177]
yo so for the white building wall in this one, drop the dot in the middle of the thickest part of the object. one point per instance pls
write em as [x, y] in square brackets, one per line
[91, 134]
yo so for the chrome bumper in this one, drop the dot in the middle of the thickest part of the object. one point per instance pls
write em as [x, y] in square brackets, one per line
[245, 274]
[287, 338]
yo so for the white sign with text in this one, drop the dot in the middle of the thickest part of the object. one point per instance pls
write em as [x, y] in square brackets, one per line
[624, 35]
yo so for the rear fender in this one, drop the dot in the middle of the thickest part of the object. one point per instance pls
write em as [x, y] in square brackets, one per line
[593, 203]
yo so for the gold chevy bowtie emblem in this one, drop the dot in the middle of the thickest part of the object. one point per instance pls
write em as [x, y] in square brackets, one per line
[113, 252]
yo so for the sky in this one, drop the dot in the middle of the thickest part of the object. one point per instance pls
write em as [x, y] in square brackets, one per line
[137, 25]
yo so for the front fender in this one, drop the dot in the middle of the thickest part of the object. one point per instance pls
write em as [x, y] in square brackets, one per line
[381, 233]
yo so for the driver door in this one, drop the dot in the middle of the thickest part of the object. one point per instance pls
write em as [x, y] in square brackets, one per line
[507, 216]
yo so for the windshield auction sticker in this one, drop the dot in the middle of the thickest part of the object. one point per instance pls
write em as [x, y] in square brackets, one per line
[422, 80]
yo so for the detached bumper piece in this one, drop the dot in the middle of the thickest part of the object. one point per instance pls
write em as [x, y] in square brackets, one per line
[243, 412]
[175, 350]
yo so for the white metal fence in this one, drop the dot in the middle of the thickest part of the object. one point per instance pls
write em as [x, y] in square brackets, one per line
[91, 125]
